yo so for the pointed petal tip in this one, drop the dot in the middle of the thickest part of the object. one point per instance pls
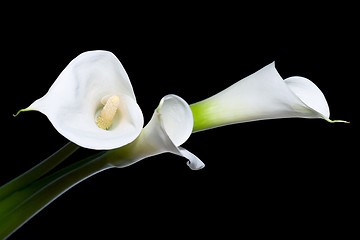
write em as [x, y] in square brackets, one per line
[336, 121]
[194, 162]
[197, 167]
[22, 110]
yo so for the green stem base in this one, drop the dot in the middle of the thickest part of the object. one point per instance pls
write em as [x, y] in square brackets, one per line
[20, 206]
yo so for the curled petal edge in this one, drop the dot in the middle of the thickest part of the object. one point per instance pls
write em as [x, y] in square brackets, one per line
[155, 138]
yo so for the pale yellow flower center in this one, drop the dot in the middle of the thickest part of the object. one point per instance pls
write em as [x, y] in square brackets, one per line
[106, 117]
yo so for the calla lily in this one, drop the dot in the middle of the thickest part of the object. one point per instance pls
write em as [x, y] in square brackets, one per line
[92, 103]
[170, 126]
[262, 95]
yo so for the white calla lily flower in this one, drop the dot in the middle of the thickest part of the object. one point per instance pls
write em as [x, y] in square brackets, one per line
[262, 95]
[92, 103]
[170, 126]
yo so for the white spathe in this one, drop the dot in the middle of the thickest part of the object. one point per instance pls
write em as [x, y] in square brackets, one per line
[74, 101]
[170, 126]
[262, 95]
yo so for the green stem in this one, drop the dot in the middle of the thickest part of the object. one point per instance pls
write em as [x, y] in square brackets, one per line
[39, 170]
[205, 115]
[21, 205]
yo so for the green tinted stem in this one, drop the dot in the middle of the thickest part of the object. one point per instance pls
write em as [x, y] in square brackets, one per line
[39, 170]
[21, 205]
[205, 115]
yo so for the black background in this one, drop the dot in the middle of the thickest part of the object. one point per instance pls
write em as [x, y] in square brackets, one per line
[285, 177]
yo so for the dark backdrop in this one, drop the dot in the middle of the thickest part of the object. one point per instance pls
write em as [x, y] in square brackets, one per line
[275, 177]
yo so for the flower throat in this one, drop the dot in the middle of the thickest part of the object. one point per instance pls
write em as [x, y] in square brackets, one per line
[105, 119]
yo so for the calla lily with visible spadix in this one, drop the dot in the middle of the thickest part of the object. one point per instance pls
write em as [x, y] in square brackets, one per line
[262, 95]
[92, 103]
[170, 126]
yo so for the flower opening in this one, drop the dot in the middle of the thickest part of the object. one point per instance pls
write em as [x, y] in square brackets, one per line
[105, 118]
[92, 94]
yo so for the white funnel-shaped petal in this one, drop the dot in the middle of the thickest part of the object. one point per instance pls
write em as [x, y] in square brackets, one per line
[170, 126]
[73, 102]
[262, 95]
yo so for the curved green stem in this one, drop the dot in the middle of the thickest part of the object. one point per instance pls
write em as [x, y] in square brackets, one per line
[39, 170]
[21, 205]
